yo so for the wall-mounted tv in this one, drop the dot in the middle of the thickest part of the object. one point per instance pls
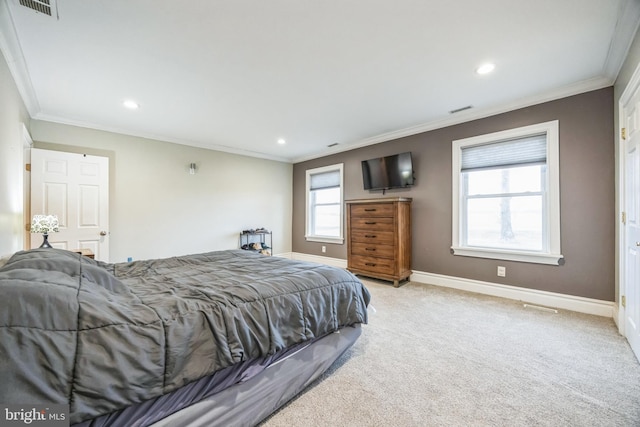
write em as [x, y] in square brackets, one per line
[388, 172]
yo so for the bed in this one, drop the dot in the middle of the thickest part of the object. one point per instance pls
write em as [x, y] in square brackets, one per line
[221, 338]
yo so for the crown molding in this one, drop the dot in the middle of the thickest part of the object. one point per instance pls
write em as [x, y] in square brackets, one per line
[469, 115]
[12, 52]
[154, 137]
[623, 35]
[626, 25]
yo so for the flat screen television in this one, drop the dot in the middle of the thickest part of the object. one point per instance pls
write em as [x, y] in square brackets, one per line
[388, 172]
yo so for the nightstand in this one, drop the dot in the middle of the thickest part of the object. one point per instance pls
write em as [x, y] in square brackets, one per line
[85, 252]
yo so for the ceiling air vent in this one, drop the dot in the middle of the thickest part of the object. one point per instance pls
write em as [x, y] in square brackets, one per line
[457, 110]
[40, 6]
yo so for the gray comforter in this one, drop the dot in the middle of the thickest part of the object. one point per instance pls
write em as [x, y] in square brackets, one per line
[103, 336]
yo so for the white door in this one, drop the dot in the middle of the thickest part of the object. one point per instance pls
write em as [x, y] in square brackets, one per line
[75, 187]
[631, 283]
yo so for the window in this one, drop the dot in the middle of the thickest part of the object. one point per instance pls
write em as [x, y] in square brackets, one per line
[506, 201]
[324, 204]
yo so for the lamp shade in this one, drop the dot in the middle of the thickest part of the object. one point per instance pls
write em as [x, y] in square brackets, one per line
[44, 224]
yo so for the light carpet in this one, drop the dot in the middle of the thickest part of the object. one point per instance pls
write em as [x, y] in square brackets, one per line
[433, 356]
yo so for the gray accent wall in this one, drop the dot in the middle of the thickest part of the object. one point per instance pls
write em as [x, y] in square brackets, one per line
[587, 198]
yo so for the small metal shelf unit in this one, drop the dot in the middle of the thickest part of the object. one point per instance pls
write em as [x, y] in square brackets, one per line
[265, 238]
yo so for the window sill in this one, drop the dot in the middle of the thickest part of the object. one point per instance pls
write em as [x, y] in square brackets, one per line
[537, 258]
[322, 239]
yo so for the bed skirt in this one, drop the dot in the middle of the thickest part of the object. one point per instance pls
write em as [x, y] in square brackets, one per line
[248, 403]
[241, 395]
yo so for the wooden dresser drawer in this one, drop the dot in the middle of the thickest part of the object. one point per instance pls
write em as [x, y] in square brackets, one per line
[372, 264]
[375, 250]
[372, 209]
[373, 236]
[375, 223]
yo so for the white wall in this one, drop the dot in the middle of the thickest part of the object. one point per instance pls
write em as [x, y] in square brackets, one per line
[12, 116]
[157, 209]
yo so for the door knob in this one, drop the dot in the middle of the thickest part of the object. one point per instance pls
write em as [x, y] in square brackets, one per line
[103, 233]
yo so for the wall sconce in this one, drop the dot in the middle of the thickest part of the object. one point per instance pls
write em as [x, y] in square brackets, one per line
[192, 168]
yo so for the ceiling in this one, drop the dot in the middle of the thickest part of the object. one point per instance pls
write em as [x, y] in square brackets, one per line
[238, 75]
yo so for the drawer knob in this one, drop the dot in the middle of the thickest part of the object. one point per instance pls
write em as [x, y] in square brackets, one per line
[370, 210]
[370, 249]
[370, 222]
[370, 264]
[370, 236]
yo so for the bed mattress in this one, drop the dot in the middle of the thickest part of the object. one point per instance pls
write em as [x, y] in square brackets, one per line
[70, 325]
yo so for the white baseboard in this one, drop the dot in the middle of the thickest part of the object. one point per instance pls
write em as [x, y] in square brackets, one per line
[284, 255]
[334, 262]
[532, 296]
[618, 318]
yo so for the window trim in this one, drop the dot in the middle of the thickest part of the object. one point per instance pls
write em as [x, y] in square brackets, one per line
[554, 255]
[323, 239]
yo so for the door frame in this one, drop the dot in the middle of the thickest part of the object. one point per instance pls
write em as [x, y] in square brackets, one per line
[25, 167]
[619, 310]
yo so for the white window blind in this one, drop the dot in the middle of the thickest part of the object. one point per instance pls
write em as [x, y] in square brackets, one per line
[529, 150]
[324, 180]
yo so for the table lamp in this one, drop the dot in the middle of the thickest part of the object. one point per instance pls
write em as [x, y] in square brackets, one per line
[44, 224]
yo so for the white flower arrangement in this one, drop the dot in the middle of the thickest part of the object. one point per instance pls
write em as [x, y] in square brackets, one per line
[44, 224]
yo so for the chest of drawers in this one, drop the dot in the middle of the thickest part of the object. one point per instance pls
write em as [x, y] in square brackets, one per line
[379, 238]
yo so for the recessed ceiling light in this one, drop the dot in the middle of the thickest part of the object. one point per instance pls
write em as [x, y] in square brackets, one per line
[281, 141]
[485, 68]
[131, 104]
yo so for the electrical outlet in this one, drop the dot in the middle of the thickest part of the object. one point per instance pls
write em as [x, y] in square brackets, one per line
[324, 249]
[502, 271]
